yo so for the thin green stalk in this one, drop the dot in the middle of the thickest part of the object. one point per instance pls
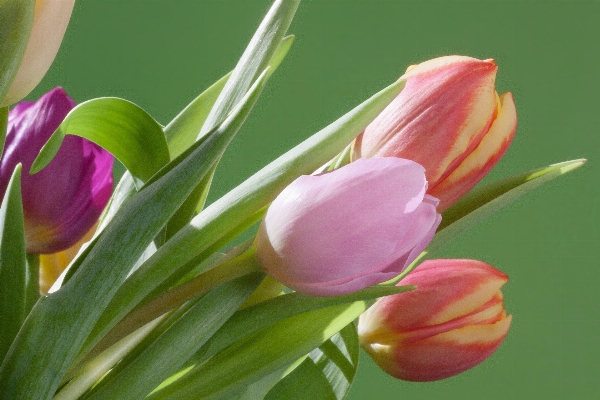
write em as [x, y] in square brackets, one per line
[99, 366]
[33, 281]
[3, 127]
[244, 264]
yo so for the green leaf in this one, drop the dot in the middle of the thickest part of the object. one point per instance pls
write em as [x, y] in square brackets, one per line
[257, 56]
[327, 372]
[307, 381]
[248, 321]
[184, 337]
[260, 388]
[3, 127]
[262, 352]
[83, 378]
[49, 341]
[13, 264]
[484, 201]
[16, 20]
[120, 127]
[183, 130]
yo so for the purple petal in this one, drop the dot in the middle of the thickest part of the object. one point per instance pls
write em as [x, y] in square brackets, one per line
[64, 200]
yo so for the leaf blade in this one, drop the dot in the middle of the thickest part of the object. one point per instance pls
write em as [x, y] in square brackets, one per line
[13, 263]
[120, 127]
[482, 202]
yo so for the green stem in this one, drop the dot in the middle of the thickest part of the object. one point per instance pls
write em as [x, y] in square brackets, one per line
[33, 281]
[99, 366]
[3, 127]
[244, 264]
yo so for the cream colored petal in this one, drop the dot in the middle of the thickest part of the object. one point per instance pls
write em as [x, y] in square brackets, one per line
[49, 25]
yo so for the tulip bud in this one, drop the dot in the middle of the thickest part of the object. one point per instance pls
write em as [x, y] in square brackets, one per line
[341, 231]
[451, 322]
[449, 119]
[64, 200]
[50, 21]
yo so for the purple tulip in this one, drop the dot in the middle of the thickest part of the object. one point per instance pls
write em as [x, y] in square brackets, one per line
[64, 200]
[342, 231]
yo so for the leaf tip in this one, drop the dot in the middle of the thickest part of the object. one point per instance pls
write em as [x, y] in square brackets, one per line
[569, 166]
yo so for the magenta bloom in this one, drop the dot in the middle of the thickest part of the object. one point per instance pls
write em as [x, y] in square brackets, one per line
[451, 322]
[64, 200]
[341, 231]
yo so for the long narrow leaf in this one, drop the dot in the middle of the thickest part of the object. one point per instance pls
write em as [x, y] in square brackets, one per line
[262, 352]
[13, 264]
[255, 59]
[182, 131]
[249, 320]
[184, 337]
[49, 342]
[327, 372]
[482, 202]
[3, 127]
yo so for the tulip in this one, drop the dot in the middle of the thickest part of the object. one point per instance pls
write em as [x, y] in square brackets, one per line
[341, 231]
[50, 21]
[451, 322]
[449, 119]
[64, 200]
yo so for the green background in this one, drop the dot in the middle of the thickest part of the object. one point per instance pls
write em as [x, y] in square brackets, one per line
[161, 54]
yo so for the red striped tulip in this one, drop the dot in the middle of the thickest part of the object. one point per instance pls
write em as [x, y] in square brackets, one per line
[64, 200]
[451, 322]
[50, 21]
[449, 119]
[341, 231]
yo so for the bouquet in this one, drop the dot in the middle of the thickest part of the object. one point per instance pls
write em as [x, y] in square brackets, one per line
[145, 290]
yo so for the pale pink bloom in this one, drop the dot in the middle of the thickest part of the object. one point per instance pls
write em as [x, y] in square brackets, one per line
[341, 231]
[451, 322]
[449, 119]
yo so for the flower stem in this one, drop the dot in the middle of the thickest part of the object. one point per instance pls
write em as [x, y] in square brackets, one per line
[3, 127]
[243, 264]
[33, 280]
[99, 366]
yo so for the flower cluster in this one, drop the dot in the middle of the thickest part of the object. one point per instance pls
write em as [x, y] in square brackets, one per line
[152, 309]
[340, 231]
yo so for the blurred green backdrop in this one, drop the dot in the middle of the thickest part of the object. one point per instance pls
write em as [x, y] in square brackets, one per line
[161, 54]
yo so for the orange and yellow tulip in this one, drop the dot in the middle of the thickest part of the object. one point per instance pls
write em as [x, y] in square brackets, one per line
[451, 322]
[449, 119]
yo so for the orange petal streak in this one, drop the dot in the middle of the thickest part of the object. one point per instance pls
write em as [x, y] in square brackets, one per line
[477, 164]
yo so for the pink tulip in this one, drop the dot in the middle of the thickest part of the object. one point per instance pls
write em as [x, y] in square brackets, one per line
[449, 119]
[341, 231]
[64, 200]
[50, 21]
[453, 321]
